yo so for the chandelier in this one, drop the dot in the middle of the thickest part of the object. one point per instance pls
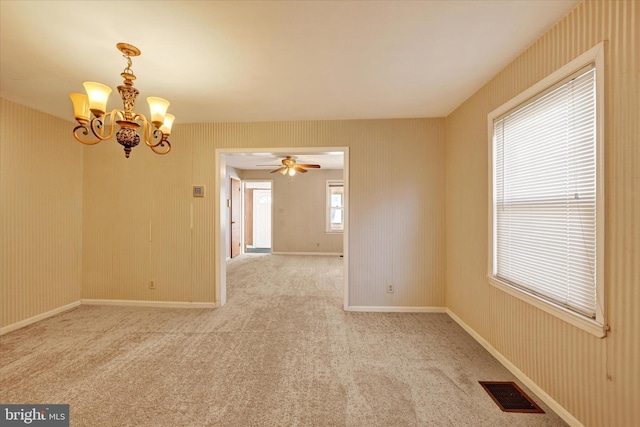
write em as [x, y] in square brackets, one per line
[90, 113]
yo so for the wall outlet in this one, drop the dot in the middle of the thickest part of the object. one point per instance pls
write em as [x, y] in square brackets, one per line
[152, 284]
[390, 288]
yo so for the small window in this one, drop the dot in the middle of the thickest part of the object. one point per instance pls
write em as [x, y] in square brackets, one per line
[335, 206]
[547, 199]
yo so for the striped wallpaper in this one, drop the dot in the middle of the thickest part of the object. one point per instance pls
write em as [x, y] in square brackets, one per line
[84, 222]
[40, 214]
[596, 380]
[396, 210]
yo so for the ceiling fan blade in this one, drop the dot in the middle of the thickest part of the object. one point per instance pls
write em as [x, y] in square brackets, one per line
[300, 169]
[309, 166]
[278, 170]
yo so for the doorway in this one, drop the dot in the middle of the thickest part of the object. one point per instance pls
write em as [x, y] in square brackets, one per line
[221, 203]
[257, 216]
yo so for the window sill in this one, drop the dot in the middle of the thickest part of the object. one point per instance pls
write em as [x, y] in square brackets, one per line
[334, 232]
[588, 325]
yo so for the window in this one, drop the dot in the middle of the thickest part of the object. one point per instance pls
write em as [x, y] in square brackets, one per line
[547, 199]
[335, 206]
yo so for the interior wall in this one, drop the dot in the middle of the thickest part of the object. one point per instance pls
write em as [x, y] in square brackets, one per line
[137, 224]
[40, 213]
[299, 211]
[596, 380]
[396, 209]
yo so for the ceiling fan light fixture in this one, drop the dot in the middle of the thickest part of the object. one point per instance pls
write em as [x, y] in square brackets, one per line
[290, 167]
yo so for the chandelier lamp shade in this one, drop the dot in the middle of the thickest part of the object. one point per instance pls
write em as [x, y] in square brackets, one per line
[95, 124]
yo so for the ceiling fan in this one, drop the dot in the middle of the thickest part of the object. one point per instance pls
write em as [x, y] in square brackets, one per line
[290, 166]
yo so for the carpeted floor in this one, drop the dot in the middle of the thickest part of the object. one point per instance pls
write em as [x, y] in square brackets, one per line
[282, 352]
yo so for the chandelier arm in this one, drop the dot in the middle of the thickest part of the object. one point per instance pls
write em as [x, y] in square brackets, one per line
[98, 124]
[150, 133]
[164, 143]
[85, 132]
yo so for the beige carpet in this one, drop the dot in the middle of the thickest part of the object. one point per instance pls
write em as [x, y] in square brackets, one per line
[282, 352]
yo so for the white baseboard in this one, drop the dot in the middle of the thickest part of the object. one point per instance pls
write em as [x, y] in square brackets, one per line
[386, 309]
[308, 253]
[37, 318]
[555, 406]
[140, 303]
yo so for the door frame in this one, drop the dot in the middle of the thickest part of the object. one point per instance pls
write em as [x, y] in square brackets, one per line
[236, 212]
[222, 222]
[244, 209]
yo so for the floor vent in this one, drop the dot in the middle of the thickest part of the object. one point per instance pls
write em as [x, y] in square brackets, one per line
[258, 250]
[510, 398]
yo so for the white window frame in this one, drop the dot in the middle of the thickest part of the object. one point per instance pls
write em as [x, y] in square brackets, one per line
[332, 183]
[597, 326]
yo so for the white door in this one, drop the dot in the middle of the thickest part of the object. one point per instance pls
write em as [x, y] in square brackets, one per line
[261, 218]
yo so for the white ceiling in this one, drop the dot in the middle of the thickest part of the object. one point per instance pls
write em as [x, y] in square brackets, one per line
[268, 60]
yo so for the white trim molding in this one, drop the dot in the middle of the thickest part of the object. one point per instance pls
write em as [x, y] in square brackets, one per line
[588, 325]
[535, 388]
[37, 318]
[391, 309]
[141, 303]
[308, 253]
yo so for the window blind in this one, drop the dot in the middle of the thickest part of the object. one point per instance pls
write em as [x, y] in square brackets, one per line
[545, 194]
